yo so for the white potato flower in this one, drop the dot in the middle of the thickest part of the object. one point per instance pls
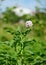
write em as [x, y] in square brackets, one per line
[29, 24]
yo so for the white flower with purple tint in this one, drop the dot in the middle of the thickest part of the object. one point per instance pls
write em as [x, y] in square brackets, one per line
[29, 23]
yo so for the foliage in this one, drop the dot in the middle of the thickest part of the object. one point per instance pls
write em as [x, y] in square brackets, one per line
[26, 17]
[8, 55]
[21, 50]
[10, 16]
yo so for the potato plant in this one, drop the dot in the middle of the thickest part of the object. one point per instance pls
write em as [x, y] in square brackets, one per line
[21, 50]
